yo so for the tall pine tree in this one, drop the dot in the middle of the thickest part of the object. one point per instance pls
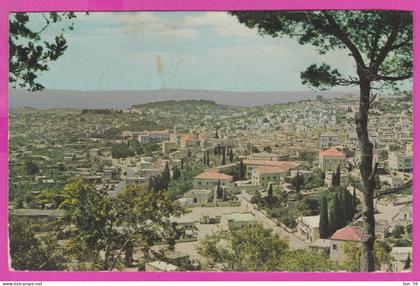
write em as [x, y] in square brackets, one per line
[324, 226]
[342, 202]
[241, 170]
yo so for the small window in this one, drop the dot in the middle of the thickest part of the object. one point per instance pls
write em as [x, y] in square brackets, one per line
[334, 246]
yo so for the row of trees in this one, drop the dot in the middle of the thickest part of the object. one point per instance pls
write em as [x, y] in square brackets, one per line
[257, 249]
[340, 212]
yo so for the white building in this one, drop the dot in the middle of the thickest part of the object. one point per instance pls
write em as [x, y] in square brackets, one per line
[399, 161]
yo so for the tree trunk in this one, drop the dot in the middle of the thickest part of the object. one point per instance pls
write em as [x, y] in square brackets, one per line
[367, 172]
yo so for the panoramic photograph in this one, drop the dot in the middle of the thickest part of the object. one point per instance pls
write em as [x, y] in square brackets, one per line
[237, 141]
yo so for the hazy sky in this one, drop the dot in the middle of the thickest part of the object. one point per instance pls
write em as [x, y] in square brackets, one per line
[185, 50]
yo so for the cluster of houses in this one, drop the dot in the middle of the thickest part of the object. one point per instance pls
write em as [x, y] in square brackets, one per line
[270, 148]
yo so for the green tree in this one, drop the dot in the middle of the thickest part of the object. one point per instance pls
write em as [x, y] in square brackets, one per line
[166, 176]
[31, 253]
[121, 150]
[176, 173]
[336, 180]
[29, 52]
[257, 249]
[223, 155]
[219, 191]
[380, 43]
[104, 227]
[267, 149]
[186, 179]
[298, 182]
[254, 149]
[407, 263]
[324, 226]
[256, 198]
[398, 231]
[350, 209]
[409, 228]
[270, 192]
[31, 167]
[352, 252]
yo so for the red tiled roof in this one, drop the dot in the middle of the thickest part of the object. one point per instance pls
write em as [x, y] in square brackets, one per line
[348, 233]
[214, 176]
[331, 153]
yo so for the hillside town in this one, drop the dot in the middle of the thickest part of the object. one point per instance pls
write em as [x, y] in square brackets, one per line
[290, 168]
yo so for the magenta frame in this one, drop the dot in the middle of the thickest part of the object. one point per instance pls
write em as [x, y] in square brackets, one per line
[7, 6]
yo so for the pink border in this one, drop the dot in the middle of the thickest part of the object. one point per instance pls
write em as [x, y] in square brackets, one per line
[7, 6]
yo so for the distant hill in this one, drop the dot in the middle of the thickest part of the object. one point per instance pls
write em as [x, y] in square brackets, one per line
[49, 99]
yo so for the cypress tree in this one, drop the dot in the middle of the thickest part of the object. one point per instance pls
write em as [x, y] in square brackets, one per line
[407, 264]
[166, 176]
[351, 207]
[208, 158]
[219, 192]
[342, 202]
[182, 163]
[241, 170]
[217, 134]
[338, 176]
[335, 215]
[324, 226]
[270, 191]
[298, 182]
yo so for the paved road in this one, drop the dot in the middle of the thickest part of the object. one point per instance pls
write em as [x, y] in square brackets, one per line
[295, 242]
